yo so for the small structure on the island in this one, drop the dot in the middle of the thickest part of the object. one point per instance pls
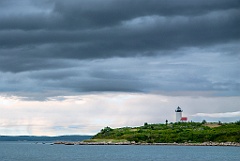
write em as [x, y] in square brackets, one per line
[179, 115]
[184, 119]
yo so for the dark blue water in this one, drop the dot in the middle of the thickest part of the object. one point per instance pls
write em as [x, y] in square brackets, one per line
[28, 151]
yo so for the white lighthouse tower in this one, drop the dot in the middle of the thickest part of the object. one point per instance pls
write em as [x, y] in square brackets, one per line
[178, 114]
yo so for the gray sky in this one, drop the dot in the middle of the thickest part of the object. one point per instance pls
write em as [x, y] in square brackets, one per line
[109, 51]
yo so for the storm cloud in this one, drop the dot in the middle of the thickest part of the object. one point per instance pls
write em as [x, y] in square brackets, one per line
[119, 46]
[74, 67]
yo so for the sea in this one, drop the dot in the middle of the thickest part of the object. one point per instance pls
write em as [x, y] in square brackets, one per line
[41, 151]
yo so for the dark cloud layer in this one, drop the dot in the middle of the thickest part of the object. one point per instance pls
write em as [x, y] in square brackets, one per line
[57, 42]
[94, 13]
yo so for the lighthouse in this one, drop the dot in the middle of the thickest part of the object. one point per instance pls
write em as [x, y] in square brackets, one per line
[178, 114]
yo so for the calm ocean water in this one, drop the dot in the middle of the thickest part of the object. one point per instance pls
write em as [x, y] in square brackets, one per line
[29, 151]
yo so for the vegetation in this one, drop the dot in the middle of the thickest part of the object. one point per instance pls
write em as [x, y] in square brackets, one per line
[180, 132]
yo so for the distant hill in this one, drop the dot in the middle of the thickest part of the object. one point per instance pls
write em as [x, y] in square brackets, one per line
[45, 138]
[174, 132]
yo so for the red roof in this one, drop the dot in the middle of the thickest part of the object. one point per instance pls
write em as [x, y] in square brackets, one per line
[184, 119]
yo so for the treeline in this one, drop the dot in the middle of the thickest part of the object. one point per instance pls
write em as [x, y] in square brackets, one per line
[180, 132]
[45, 138]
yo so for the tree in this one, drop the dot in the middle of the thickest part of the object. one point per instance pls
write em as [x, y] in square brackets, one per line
[237, 122]
[204, 122]
[166, 122]
[219, 123]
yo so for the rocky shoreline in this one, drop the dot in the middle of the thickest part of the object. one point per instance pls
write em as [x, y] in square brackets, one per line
[133, 143]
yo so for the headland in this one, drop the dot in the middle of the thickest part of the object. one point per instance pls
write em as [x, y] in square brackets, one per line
[179, 133]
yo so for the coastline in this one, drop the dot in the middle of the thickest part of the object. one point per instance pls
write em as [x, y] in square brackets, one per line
[160, 144]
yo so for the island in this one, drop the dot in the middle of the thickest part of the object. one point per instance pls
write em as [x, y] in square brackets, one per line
[179, 133]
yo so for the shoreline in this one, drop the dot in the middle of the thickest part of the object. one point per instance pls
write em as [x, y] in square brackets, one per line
[159, 144]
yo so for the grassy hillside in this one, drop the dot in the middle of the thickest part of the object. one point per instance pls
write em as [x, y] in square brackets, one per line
[174, 132]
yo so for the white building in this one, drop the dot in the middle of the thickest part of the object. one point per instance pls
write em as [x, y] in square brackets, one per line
[178, 114]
